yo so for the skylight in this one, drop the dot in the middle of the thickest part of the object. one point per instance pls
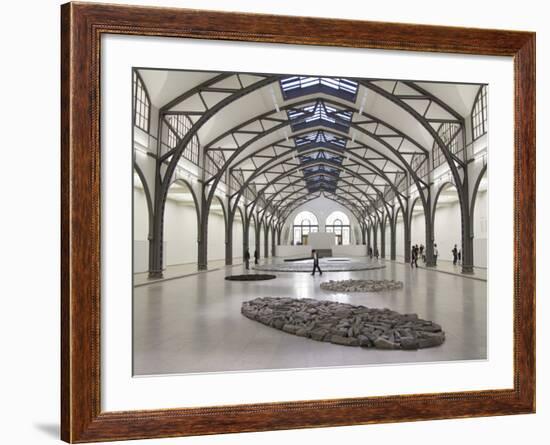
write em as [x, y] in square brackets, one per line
[296, 86]
[319, 114]
[320, 139]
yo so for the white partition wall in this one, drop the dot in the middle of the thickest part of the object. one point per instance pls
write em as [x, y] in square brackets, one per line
[180, 226]
[141, 229]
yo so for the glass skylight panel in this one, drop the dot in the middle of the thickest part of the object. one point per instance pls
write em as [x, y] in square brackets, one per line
[296, 86]
[320, 114]
[321, 139]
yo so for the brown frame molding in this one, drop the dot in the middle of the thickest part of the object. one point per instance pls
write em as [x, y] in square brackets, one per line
[81, 28]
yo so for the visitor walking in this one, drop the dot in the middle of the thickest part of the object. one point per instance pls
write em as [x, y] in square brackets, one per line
[370, 252]
[247, 259]
[414, 256]
[436, 253]
[455, 255]
[315, 257]
[422, 253]
[256, 256]
[376, 252]
[460, 256]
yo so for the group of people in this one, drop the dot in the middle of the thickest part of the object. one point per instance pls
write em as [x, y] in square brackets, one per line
[247, 258]
[420, 252]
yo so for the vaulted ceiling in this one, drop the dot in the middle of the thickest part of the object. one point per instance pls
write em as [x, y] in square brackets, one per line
[289, 139]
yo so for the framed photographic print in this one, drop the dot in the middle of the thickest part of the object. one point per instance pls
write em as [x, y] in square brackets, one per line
[275, 222]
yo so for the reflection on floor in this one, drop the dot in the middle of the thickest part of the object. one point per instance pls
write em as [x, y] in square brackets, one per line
[194, 324]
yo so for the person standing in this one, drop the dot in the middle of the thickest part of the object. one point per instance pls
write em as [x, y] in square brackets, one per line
[315, 257]
[455, 255]
[436, 253]
[370, 252]
[422, 253]
[460, 256]
[256, 256]
[376, 252]
[413, 256]
[247, 259]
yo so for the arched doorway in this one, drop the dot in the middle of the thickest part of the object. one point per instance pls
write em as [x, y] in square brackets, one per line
[447, 222]
[180, 225]
[216, 230]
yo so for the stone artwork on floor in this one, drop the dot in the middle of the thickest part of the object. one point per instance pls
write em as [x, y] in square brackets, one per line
[250, 277]
[361, 285]
[344, 324]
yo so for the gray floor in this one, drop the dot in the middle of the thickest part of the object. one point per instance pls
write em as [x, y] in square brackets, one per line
[194, 324]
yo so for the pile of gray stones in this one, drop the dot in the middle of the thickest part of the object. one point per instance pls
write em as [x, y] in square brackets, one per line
[344, 324]
[361, 285]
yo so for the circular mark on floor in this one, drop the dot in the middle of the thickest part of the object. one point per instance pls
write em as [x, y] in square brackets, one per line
[250, 277]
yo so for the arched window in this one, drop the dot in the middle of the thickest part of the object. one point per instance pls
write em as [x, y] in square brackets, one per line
[304, 224]
[479, 114]
[177, 127]
[338, 223]
[142, 104]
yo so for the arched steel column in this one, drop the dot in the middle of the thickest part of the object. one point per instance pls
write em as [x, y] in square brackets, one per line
[266, 241]
[407, 235]
[273, 241]
[382, 237]
[392, 221]
[229, 234]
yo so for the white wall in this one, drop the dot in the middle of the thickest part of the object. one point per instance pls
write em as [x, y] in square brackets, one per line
[387, 240]
[418, 225]
[262, 242]
[480, 230]
[141, 230]
[180, 233]
[216, 236]
[251, 237]
[237, 238]
[447, 229]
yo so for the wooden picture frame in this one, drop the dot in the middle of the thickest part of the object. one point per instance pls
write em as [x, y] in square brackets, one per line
[82, 26]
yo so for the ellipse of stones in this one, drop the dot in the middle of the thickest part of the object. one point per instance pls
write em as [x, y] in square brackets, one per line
[361, 285]
[344, 324]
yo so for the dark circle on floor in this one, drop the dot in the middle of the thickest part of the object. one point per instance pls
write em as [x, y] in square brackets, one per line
[250, 277]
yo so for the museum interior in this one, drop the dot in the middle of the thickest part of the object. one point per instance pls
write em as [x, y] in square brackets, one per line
[243, 182]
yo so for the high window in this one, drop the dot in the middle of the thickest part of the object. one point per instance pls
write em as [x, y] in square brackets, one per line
[479, 114]
[450, 134]
[177, 128]
[304, 223]
[338, 223]
[142, 104]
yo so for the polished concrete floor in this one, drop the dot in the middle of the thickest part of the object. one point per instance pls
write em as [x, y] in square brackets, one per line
[193, 324]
